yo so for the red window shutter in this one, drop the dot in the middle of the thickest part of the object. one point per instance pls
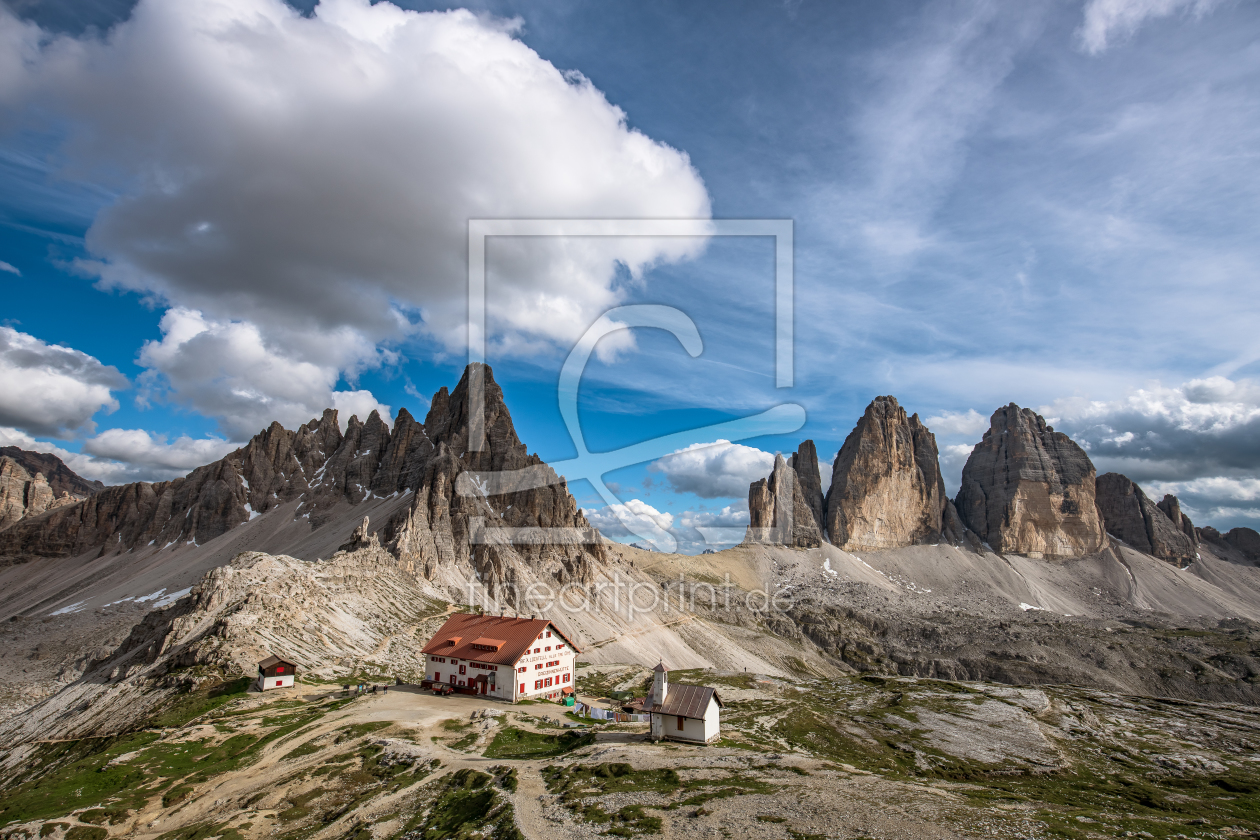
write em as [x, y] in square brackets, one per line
[437, 676]
[522, 688]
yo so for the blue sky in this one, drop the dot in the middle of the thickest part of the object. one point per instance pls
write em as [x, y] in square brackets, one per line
[215, 214]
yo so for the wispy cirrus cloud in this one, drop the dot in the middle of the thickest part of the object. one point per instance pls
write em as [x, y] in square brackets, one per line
[1109, 21]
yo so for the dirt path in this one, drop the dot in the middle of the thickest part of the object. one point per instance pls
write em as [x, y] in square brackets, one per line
[529, 808]
[407, 706]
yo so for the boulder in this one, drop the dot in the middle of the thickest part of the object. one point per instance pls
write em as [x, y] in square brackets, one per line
[1027, 489]
[779, 513]
[1130, 516]
[886, 487]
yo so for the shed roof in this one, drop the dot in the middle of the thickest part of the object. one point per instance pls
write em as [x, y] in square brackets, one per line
[275, 660]
[496, 639]
[690, 701]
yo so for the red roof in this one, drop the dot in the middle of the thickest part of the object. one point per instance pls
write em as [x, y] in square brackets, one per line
[496, 639]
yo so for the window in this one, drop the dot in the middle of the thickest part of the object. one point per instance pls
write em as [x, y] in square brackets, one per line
[437, 676]
[538, 667]
[452, 679]
[680, 722]
[548, 634]
[559, 647]
[522, 688]
[537, 684]
[522, 669]
[280, 668]
[566, 677]
[547, 683]
[537, 650]
[463, 670]
[548, 648]
[279, 683]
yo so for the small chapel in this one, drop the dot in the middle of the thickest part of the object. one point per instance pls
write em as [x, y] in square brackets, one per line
[689, 713]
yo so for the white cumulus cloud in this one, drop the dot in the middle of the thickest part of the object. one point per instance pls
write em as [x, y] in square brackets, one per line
[1199, 440]
[1107, 21]
[48, 389]
[310, 179]
[152, 455]
[971, 423]
[121, 456]
[720, 469]
[647, 521]
[227, 369]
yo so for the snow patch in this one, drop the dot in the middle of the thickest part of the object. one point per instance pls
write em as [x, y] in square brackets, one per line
[73, 608]
[173, 597]
[1027, 607]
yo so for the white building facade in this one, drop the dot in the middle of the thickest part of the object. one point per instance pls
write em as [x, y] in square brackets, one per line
[505, 658]
[690, 713]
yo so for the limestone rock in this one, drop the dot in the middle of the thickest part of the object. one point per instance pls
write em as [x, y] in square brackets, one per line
[1245, 541]
[805, 463]
[498, 512]
[1130, 516]
[886, 487]
[25, 494]
[1027, 489]
[778, 511]
[321, 468]
[61, 479]
[1172, 509]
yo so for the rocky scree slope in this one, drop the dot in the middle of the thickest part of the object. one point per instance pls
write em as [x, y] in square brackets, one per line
[329, 616]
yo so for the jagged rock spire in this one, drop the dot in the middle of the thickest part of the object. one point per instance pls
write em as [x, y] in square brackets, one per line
[1132, 517]
[1027, 489]
[321, 468]
[886, 487]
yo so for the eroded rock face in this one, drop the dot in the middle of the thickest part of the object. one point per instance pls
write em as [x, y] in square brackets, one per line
[320, 467]
[1246, 541]
[489, 510]
[1027, 489]
[1172, 509]
[61, 479]
[23, 493]
[805, 463]
[779, 512]
[1130, 516]
[886, 487]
